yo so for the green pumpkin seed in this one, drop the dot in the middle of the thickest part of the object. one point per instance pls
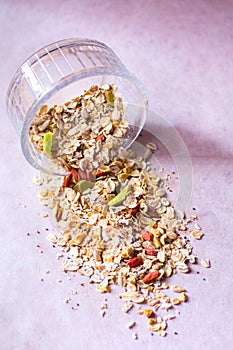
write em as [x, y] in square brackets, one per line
[109, 97]
[82, 186]
[120, 197]
[47, 144]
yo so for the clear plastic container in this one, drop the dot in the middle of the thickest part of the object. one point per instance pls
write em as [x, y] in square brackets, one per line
[61, 71]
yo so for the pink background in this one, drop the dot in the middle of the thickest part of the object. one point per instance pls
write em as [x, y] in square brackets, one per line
[183, 53]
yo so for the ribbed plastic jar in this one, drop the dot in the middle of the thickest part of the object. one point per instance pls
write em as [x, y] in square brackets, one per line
[61, 71]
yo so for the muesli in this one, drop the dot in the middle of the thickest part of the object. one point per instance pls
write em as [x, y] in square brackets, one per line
[117, 225]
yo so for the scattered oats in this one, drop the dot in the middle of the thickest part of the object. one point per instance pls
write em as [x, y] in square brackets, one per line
[44, 214]
[183, 297]
[59, 280]
[161, 192]
[177, 289]
[74, 291]
[47, 271]
[52, 238]
[197, 234]
[67, 300]
[205, 263]
[166, 306]
[131, 324]
[127, 306]
[163, 325]
[152, 321]
[171, 317]
[176, 301]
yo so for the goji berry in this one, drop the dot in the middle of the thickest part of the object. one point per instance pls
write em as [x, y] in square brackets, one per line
[133, 211]
[150, 251]
[148, 236]
[67, 180]
[100, 137]
[151, 276]
[101, 173]
[75, 174]
[134, 262]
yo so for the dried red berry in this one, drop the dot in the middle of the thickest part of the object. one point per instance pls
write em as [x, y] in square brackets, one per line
[75, 174]
[100, 137]
[101, 173]
[151, 276]
[134, 262]
[150, 251]
[133, 211]
[148, 236]
[67, 180]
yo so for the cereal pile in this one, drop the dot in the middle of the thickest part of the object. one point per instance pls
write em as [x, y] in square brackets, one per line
[116, 223]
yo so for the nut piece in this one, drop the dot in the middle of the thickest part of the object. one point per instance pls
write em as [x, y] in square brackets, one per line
[152, 321]
[148, 312]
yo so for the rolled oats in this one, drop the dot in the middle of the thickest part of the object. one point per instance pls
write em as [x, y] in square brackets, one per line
[117, 224]
[205, 263]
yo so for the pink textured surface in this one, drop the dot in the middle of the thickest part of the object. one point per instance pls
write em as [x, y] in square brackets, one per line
[182, 52]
